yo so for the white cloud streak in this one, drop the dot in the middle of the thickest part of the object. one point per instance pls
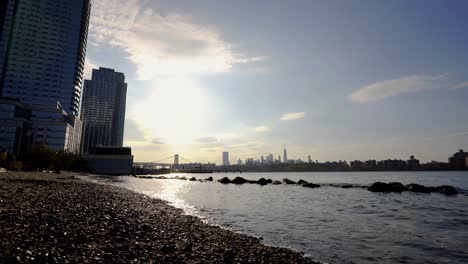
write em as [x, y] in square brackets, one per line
[262, 129]
[381, 90]
[293, 116]
[161, 44]
[460, 85]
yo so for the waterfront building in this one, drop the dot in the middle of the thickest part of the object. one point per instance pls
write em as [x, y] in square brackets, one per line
[285, 156]
[103, 110]
[239, 162]
[459, 160]
[413, 164]
[42, 55]
[226, 159]
[110, 160]
[15, 127]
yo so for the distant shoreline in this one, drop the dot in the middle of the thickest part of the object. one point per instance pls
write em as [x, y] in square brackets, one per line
[65, 219]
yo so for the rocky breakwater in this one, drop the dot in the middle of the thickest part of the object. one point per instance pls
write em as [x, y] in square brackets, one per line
[397, 187]
[45, 220]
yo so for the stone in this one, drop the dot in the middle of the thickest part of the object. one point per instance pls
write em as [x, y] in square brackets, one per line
[277, 183]
[239, 180]
[311, 185]
[288, 181]
[225, 180]
[301, 181]
[387, 187]
[447, 190]
[262, 181]
[413, 187]
[209, 179]
[193, 179]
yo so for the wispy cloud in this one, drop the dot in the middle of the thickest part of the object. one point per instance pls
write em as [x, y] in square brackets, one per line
[381, 90]
[261, 129]
[293, 116]
[205, 140]
[460, 85]
[161, 44]
[88, 69]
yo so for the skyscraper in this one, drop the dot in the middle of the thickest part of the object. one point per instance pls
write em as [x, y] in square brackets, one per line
[225, 158]
[42, 51]
[285, 156]
[42, 54]
[103, 112]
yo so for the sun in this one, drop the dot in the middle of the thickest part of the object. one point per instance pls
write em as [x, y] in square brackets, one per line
[174, 112]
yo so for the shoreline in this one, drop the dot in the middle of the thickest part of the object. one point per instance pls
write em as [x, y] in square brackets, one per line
[53, 218]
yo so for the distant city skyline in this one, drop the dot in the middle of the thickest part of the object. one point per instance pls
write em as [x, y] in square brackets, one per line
[337, 80]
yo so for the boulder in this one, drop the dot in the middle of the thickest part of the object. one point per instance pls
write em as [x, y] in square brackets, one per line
[302, 182]
[277, 183]
[269, 181]
[387, 187]
[209, 179]
[311, 185]
[413, 187]
[193, 179]
[447, 190]
[288, 181]
[239, 180]
[347, 186]
[262, 181]
[225, 180]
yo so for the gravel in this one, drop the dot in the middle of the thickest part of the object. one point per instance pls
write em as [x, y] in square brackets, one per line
[47, 218]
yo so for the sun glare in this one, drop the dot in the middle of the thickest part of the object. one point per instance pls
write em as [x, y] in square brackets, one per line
[174, 112]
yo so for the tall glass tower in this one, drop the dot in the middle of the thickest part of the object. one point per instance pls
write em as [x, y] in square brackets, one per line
[42, 51]
[42, 56]
[103, 111]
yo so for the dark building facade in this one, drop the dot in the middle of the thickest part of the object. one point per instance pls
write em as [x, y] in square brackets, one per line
[15, 127]
[103, 111]
[459, 160]
[42, 56]
[44, 48]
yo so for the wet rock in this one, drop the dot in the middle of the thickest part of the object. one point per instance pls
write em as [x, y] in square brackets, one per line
[262, 181]
[269, 181]
[193, 179]
[277, 183]
[225, 180]
[239, 180]
[413, 187]
[387, 187]
[347, 186]
[311, 185]
[288, 181]
[301, 181]
[447, 190]
[209, 179]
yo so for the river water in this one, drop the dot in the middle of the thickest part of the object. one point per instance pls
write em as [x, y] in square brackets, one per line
[332, 225]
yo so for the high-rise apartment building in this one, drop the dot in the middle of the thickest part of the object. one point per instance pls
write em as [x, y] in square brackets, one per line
[103, 110]
[226, 159]
[285, 156]
[42, 55]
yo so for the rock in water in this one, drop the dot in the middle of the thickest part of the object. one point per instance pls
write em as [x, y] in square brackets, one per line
[193, 179]
[239, 180]
[447, 190]
[384, 187]
[209, 179]
[269, 181]
[301, 181]
[413, 187]
[311, 185]
[225, 180]
[276, 183]
[288, 181]
[262, 181]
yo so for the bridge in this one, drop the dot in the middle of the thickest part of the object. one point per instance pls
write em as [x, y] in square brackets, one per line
[163, 163]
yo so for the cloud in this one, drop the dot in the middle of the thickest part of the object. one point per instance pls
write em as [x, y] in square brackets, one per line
[261, 129]
[88, 68]
[157, 141]
[293, 116]
[381, 90]
[160, 44]
[205, 140]
[460, 85]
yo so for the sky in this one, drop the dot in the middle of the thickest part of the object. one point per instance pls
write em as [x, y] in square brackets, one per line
[337, 80]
